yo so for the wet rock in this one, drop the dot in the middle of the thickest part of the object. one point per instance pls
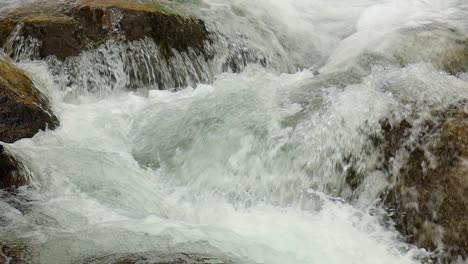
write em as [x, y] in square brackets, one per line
[88, 23]
[14, 254]
[121, 44]
[428, 197]
[24, 110]
[10, 171]
[159, 258]
[240, 56]
[441, 45]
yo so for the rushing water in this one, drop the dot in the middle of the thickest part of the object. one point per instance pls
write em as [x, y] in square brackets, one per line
[244, 165]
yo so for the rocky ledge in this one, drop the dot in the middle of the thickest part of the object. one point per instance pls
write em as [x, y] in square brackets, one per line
[153, 45]
[67, 30]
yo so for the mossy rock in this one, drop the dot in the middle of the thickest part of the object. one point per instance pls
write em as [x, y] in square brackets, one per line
[88, 23]
[24, 110]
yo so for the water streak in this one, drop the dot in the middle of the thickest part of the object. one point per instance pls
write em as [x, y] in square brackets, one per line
[251, 163]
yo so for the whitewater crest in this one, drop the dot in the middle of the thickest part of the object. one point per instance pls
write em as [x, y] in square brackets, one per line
[239, 131]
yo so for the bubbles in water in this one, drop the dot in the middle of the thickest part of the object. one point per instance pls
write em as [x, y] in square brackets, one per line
[252, 165]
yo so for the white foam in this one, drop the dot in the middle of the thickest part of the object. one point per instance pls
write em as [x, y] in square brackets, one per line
[249, 165]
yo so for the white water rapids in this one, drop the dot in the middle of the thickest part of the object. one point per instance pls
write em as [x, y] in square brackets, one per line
[245, 166]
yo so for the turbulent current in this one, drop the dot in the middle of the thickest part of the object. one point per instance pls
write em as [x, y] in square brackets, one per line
[242, 163]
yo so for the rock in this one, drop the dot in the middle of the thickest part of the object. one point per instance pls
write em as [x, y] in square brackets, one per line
[89, 23]
[158, 258]
[14, 254]
[443, 46]
[23, 112]
[121, 44]
[23, 109]
[137, 21]
[428, 197]
[10, 171]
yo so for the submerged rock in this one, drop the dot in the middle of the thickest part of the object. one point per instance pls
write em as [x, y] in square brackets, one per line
[14, 254]
[89, 23]
[159, 258]
[441, 45]
[444, 47]
[428, 197]
[10, 171]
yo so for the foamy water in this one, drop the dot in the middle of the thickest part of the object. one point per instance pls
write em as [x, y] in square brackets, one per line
[243, 165]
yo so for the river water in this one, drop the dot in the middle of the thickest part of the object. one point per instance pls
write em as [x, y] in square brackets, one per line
[244, 165]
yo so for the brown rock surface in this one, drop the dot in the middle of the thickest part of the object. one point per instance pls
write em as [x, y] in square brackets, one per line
[10, 171]
[23, 109]
[88, 23]
[23, 112]
[428, 198]
[14, 254]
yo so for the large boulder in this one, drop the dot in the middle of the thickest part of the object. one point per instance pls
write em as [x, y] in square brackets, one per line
[428, 196]
[65, 32]
[24, 111]
[95, 45]
[427, 170]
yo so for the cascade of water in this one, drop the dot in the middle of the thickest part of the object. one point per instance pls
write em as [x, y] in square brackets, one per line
[253, 160]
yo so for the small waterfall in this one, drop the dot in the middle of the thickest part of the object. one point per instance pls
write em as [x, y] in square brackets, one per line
[280, 142]
[119, 66]
[21, 48]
